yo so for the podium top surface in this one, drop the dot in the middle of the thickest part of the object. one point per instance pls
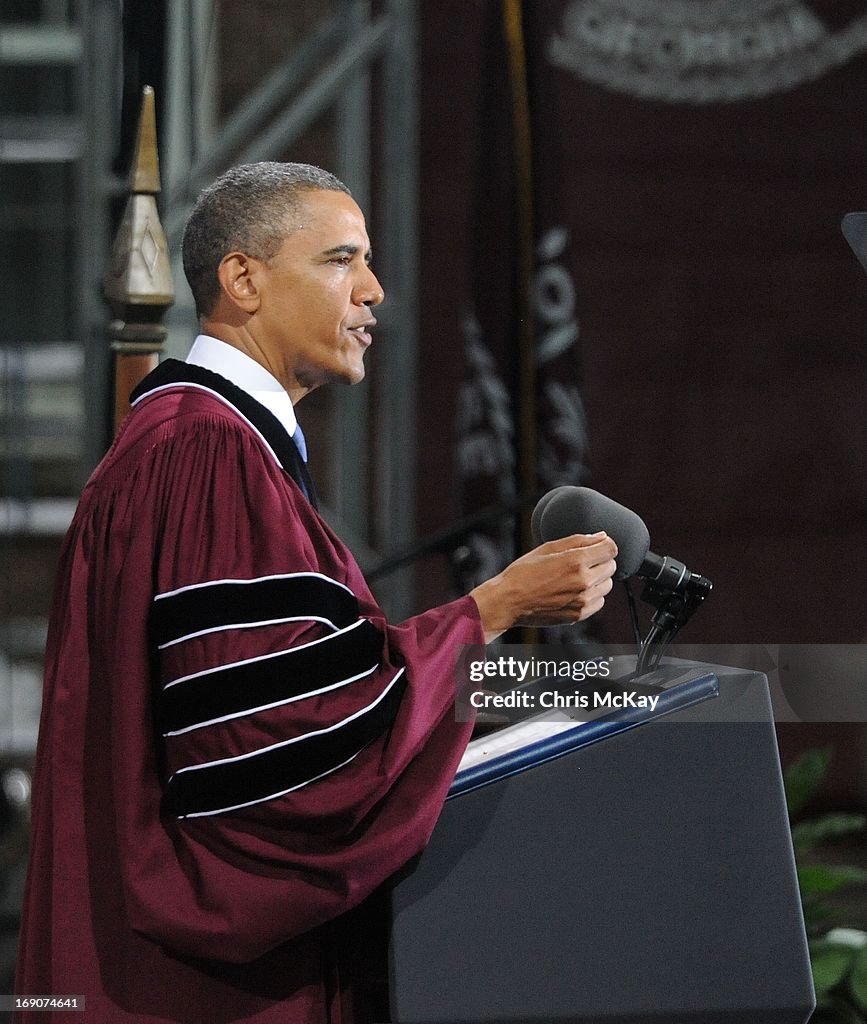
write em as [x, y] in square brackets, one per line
[545, 737]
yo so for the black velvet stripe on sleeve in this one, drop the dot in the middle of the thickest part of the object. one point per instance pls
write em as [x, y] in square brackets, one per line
[245, 687]
[274, 771]
[241, 603]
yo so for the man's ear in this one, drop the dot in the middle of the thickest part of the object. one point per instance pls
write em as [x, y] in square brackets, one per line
[239, 281]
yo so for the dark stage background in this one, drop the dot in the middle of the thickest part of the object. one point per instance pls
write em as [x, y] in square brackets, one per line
[711, 318]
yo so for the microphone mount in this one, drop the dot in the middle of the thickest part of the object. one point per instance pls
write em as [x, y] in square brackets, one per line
[676, 594]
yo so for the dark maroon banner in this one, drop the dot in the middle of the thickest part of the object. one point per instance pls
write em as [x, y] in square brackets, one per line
[699, 320]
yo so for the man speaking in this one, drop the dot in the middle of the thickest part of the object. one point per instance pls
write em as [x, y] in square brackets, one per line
[236, 748]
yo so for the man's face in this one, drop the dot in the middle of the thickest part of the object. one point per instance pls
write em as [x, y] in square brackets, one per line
[313, 324]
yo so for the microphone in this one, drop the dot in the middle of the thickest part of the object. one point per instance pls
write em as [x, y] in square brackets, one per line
[854, 228]
[567, 510]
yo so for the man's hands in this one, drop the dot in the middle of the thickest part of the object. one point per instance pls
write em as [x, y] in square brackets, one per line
[562, 581]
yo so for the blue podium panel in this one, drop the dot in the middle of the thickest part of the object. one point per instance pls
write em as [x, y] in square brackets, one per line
[623, 870]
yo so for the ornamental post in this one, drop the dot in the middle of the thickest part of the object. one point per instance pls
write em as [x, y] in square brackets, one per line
[138, 283]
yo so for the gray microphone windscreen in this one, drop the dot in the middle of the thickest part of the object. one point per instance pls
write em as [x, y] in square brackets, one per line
[854, 227]
[571, 510]
[539, 511]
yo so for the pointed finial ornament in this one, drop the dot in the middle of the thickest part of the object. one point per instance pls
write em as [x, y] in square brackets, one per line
[138, 283]
[144, 176]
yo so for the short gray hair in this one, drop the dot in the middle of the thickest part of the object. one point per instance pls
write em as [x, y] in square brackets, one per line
[248, 209]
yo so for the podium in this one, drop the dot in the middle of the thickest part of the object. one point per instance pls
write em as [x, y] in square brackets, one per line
[633, 868]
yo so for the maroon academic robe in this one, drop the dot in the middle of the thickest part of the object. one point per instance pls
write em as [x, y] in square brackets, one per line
[236, 748]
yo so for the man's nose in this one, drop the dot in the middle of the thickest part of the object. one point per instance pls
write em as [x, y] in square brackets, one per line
[369, 291]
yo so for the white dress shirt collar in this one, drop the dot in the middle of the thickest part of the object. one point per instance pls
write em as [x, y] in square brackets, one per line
[243, 371]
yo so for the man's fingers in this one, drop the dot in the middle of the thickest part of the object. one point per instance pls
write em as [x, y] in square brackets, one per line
[564, 580]
[591, 608]
[575, 540]
[606, 582]
[581, 592]
[593, 543]
[595, 589]
[600, 575]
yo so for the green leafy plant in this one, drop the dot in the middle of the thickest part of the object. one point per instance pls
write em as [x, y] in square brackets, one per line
[838, 954]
